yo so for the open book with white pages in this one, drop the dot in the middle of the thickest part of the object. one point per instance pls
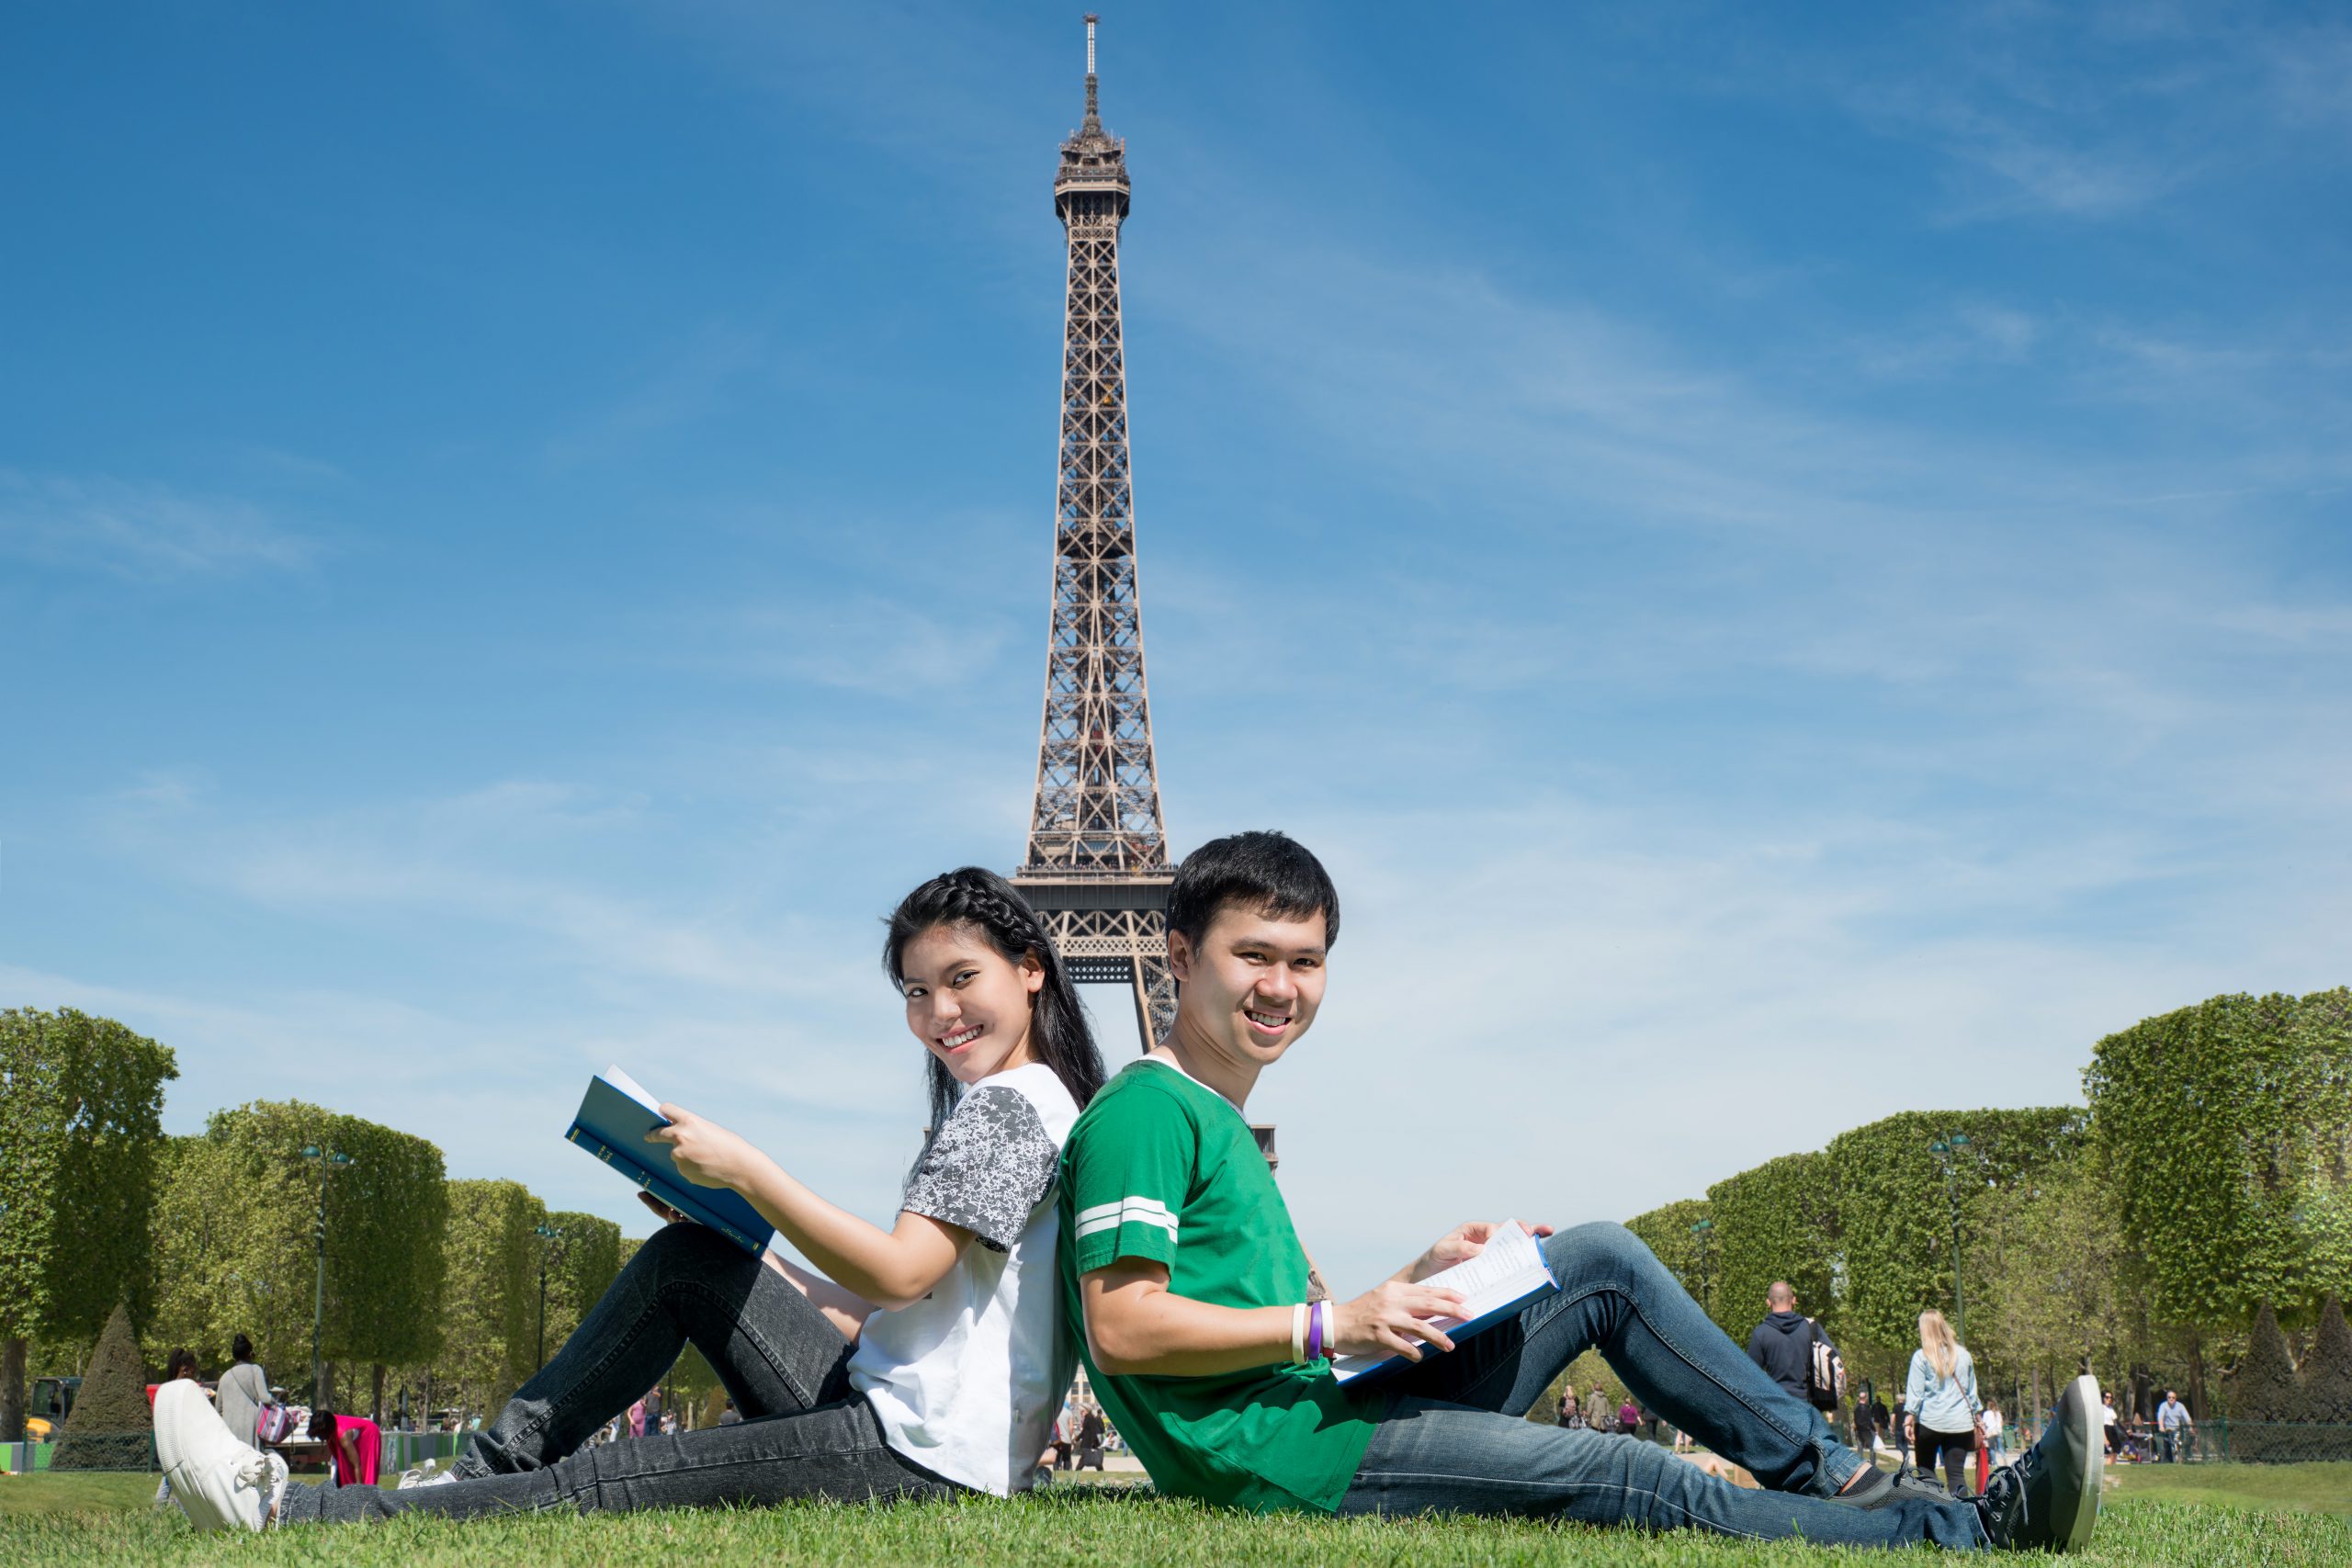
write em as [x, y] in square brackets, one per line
[1507, 1274]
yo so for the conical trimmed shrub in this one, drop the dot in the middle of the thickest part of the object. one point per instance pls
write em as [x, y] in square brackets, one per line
[2327, 1372]
[2266, 1394]
[111, 1424]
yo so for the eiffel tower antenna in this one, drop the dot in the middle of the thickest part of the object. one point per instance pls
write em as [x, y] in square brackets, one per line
[1097, 866]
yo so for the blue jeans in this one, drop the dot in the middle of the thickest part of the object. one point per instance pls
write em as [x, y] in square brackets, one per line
[1452, 1438]
[805, 1432]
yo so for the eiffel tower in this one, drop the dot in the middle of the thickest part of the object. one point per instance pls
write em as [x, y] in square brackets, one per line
[1097, 867]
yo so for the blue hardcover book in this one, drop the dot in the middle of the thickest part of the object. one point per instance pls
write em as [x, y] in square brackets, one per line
[1508, 1273]
[614, 1115]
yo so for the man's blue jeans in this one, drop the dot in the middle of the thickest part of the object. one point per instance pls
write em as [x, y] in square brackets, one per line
[1452, 1438]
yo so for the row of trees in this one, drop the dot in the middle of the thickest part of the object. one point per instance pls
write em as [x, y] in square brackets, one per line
[445, 1287]
[2209, 1177]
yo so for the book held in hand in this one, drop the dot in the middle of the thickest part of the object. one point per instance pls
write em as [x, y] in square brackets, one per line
[614, 1117]
[1508, 1273]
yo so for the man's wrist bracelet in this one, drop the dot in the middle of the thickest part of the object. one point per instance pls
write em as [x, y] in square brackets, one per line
[1314, 1332]
[1298, 1332]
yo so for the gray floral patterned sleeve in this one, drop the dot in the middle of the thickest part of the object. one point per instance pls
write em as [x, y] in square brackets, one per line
[987, 1168]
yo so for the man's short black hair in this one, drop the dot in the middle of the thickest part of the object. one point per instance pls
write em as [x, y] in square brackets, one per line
[1266, 872]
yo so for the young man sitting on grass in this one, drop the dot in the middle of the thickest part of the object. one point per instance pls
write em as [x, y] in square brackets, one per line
[1208, 1337]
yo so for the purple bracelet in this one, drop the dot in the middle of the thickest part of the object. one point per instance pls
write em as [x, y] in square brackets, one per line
[1314, 1331]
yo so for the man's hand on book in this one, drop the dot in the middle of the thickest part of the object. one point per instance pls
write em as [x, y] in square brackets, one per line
[1392, 1318]
[706, 1154]
[1465, 1241]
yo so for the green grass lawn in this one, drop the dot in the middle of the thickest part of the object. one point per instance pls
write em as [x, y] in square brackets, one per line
[2325, 1488]
[1090, 1524]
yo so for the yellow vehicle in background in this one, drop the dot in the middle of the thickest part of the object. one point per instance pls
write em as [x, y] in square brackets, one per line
[50, 1402]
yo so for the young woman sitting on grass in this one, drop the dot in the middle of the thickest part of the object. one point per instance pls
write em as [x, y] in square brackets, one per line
[923, 1360]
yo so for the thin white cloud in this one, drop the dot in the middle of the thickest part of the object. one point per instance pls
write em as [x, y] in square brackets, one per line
[140, 530]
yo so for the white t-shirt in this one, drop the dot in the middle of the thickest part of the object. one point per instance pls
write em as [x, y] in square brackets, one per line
[967, 1380]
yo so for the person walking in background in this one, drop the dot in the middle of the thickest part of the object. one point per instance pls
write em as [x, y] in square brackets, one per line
[1994, 1436]
[1941, 1395]
[1782, 1343]
[1569, 1415]
[2111, 1424]
[243, 1394]
[1091, 1428]
[1596, 1410]
[637, 1418]
[2172, 1418]
[1629, 1418]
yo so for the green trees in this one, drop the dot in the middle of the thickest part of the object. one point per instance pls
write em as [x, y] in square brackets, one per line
[584, 1264]
[489, 1289]
[236, 1248]
[2225, 1129]
[81, 1101]
[1668, 1232]
[2050, 1277]
[1778, 1221]
[1896, 1212]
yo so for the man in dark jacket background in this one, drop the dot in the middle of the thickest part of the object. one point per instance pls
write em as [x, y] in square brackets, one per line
[1782, 1343]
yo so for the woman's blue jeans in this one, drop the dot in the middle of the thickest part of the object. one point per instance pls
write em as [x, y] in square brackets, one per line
[1451, 1437]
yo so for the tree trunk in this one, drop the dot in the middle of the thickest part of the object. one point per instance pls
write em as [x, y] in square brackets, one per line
[2196, 1408]
[375, 1405]
[12, 1391]
[324, 1398]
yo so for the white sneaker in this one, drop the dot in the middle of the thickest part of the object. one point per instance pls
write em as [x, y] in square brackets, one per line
[428, 1473]
[218, 1482]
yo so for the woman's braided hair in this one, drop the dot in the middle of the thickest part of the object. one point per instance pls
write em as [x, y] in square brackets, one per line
[972, 896]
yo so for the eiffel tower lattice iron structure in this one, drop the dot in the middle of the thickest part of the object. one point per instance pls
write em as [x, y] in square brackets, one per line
[1097, 868]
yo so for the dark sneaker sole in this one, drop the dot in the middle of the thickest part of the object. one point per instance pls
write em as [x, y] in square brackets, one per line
[2079, 1408]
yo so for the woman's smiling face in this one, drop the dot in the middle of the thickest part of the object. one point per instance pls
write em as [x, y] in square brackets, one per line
[968, 1004]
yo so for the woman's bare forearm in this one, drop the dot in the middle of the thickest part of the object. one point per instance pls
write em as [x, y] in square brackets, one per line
[883, 1268]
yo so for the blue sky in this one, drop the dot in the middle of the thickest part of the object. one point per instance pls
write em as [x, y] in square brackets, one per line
[1795, 562]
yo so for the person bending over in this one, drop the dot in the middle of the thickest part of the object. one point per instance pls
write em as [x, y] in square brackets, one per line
[856, 1383]
[1208, 1340]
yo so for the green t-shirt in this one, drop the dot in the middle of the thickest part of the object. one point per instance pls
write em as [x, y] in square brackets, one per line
[1163, 1168]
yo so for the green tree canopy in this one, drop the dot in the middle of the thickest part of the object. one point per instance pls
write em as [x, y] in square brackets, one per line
[2227, 1128]
[1666, 1231]
[1894, 1210]
[1778, 1221]
[490, 1320]
[587, 1262]
[236, 1251]
[81, 1107]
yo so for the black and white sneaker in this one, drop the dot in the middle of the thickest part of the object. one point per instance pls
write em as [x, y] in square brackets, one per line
[2048, 1500]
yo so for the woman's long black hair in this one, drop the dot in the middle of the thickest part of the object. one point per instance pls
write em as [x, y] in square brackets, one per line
[972, 896]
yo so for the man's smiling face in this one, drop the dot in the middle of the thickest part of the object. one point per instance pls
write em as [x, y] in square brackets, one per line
[1250, 987]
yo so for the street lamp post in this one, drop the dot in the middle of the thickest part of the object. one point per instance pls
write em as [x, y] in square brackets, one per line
[1705, 1231]
[550, 1238]
[1948, 1150]
[328, 1162]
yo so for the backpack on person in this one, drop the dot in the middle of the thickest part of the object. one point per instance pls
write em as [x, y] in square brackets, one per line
[1824, 1371]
